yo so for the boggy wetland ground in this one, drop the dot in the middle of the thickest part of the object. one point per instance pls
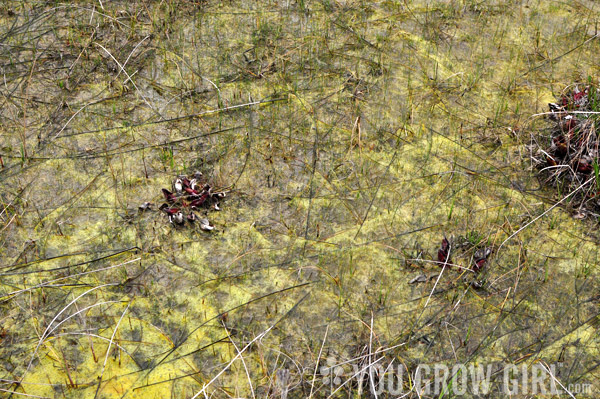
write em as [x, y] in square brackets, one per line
[350, 137]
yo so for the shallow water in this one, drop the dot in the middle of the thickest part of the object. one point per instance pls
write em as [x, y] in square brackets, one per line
[351, 137]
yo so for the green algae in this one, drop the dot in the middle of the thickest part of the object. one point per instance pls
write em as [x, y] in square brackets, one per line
[395, 125]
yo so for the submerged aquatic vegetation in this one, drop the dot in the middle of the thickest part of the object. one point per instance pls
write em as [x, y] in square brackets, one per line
[355, 135]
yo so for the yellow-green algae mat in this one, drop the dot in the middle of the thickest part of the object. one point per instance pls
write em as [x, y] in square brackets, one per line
[352, 137]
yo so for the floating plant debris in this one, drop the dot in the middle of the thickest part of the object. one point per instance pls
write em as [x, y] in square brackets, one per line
[189, 194]
[421, 278]
[146, 206]
[568, 156]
